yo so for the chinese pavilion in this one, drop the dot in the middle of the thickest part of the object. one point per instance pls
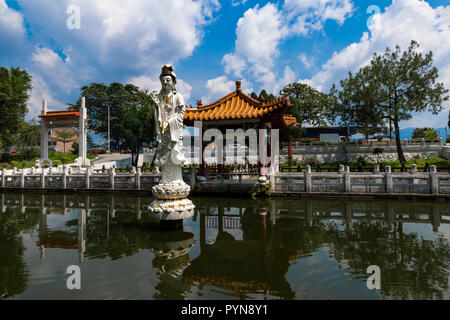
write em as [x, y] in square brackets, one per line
[238, 110]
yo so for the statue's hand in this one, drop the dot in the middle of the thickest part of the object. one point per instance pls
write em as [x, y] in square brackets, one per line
[155, 98]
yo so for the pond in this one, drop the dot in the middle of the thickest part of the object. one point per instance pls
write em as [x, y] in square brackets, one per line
[231, 249]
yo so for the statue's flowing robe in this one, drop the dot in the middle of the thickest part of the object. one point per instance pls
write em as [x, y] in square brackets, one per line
[175, 126]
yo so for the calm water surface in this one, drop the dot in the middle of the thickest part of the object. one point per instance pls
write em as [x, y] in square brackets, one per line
[230, 249]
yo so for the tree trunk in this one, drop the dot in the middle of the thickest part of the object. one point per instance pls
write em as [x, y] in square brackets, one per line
[401, 156]
[290, 151]
[135, 157]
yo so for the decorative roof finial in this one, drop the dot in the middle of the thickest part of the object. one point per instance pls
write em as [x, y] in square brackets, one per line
[238, 86]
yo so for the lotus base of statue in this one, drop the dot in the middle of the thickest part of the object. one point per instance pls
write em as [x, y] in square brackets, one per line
[172, 190]
[171, 202]
[179, 209]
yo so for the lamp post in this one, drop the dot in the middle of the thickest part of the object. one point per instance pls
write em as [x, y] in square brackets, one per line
[109, 147]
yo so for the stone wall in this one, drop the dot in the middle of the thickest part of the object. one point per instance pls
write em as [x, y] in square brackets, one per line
[344, 181]
[372, 152]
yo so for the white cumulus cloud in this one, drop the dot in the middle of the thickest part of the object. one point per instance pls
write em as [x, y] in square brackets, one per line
[12, 31]
[401, 22]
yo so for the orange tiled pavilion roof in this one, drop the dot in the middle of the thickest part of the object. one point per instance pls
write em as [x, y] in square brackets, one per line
[60, 114]
[237, 105]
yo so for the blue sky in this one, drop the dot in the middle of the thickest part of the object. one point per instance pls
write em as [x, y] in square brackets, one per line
[212, 43]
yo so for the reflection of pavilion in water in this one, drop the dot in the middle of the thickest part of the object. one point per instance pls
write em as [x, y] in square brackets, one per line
[258, 264]
[240, 267]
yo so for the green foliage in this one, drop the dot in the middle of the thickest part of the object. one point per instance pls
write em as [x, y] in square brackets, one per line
[29, 134]
[291, 133]
[313, 162]
[75, 148]
[310, 105]
[137, 125]
[15, 88]
[355, 106]
[420, 133]
[393, 87]
[261, 191]
[31, 154]
[131, 114]
[65, 136]
[431, 134]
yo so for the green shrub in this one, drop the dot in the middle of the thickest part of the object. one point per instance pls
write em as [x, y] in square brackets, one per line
[313, 162]
[32, 154]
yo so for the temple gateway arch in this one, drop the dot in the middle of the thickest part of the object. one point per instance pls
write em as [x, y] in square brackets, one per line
[64, 119]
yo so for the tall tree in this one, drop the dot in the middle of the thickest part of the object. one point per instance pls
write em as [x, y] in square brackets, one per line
[65, 136]
[355, 106]
[118, 98]
[400, 83]
[15, 89]
[29, 135]
[310, 105]
[448, 124]
[137, 124]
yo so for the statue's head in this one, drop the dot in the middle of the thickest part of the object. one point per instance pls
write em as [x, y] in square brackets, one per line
[168, 78]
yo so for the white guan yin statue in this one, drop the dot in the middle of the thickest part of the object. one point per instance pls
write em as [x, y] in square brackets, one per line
[171, 192]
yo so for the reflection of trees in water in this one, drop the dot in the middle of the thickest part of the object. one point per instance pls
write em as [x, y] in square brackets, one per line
[116, 237]
[411, 267]
[13, 270]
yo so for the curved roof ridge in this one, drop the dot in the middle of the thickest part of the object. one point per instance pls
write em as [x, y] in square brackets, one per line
[219, 101]
[250, 99]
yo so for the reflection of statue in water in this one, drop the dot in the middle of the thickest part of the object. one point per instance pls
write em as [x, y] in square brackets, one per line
[171, 192]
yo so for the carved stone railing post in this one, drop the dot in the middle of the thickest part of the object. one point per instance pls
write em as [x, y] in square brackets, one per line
[22, 178]
[341, 168]
[434, 180]
[138, 178]
[112, 174]
[414, 168]
[347, 180]
[3, 178]
[43, 178]
[308, 179]
[87, 178]
[376, 169]
[64, 177]
[388, 180]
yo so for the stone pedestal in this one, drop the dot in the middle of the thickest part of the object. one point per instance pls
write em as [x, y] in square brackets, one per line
[171, 205]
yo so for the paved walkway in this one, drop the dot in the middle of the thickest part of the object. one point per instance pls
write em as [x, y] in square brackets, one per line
[111, 157]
